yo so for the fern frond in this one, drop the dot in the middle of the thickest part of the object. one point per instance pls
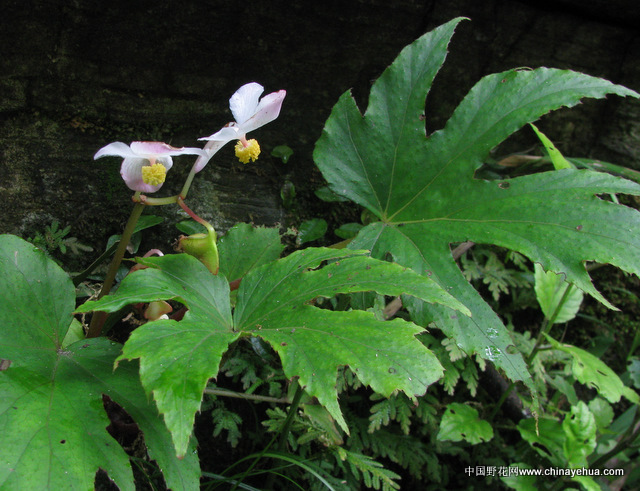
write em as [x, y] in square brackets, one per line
[470, 376]
[408, 451]
[225, 420]
[373, 473]
[455, 353]
[397, 408]
[451, 376]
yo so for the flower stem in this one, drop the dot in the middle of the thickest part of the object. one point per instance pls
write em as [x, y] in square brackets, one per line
[98, 319]
[145, 200]
[500, 402]
[625, 440]
[187, 183]
[193, 215]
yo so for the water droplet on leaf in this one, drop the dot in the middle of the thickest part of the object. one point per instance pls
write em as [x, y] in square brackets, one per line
[492, 353]
[512, 350]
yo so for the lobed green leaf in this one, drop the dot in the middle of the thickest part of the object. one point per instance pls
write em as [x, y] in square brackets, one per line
[461, 422]
[245, 247]
[551, 290]
[424, 192]
[52, 415]
[580, 430]
[176, 358]
[593, 372]
[275, 302]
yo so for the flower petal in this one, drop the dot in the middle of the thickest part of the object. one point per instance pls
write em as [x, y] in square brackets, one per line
[267, 111]
[244, 102]
[210, 148]
[167, 162]
[151, 148]
[188, 151]
[131, 172]
[226, 134]
[160, 148]
[249, 113]
[117, 149]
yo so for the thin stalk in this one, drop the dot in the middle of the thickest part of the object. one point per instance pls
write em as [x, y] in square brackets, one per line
[284, 434]
[547, 323]
[80, 277]
[251, 397]
[289, 421]
[187, 183]
[461, 249]
[222, 478]
[301, 464]
[97, 321]
[193, 215]
[500, 402]
[283, 438]
[392, 308]
[627, 437]
[145, 200]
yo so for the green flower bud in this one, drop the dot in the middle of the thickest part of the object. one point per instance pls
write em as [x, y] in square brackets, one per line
[203, 247]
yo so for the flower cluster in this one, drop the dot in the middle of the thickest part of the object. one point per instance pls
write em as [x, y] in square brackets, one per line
[145, 164]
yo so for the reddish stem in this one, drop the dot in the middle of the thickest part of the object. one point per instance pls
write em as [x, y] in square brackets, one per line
[192, 214]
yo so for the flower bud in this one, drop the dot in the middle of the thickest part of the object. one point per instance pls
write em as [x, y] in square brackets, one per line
[203, 247]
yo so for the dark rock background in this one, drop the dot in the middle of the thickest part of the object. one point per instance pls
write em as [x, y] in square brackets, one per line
[77, 75]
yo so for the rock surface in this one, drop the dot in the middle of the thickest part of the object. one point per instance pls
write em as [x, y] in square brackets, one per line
[78, 75]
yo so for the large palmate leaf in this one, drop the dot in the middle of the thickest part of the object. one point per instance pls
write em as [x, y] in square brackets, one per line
[52, 419]
[313, 343]
[245, 247]
[275, 302]
[425, 195]
[176, 358]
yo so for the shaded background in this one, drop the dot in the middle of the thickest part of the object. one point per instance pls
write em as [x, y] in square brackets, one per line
[76, 75]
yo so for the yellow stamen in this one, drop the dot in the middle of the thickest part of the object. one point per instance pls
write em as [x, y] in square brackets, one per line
[154, 174]
[247, 152]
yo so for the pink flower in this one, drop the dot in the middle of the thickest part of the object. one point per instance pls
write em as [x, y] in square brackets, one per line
[145, 164]
[250, 112]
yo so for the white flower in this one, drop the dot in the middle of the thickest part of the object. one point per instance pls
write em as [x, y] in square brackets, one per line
[145, 164]
[250, 112]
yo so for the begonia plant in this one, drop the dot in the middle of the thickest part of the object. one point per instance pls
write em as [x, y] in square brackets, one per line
[385, 316]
